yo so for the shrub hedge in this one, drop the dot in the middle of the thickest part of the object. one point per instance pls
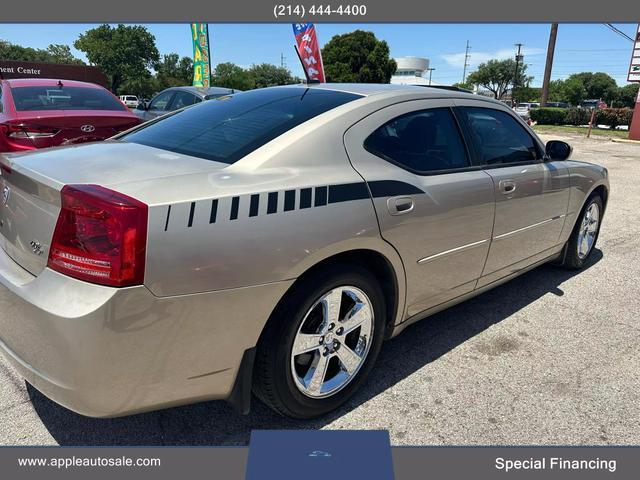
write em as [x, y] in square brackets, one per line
[611, 117]
[548, 115]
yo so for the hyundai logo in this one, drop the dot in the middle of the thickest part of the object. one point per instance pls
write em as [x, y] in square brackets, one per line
[87, 128]
[6, 193]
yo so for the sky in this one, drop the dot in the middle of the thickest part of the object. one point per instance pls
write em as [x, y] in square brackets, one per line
[579, 47]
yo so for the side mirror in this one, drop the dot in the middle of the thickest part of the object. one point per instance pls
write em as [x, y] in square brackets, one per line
[142, 106]
[558, 150]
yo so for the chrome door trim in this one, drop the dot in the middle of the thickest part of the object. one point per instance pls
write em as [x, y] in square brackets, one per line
[528, 227]
[453, 250]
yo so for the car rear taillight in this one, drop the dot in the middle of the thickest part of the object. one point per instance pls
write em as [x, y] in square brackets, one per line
[28, 131]
[100, 236]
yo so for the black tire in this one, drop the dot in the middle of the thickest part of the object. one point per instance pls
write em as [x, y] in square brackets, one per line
[572, 260]
[273, 381]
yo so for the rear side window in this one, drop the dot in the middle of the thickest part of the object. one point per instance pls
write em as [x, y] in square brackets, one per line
[228, 128]
[422, 142]
[64, 98]
[499, 138]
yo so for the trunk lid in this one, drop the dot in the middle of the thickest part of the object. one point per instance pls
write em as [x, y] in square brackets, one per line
[72, 127]
[30, 185]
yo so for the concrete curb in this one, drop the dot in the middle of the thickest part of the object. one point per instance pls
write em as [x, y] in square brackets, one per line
[625, 140]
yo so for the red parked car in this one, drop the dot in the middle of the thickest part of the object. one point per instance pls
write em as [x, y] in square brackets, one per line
[39, 113]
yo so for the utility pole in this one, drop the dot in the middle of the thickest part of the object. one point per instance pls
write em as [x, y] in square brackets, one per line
[283, 63]
[547, 68]
[467, 56]
[519, 58]
[430, 72]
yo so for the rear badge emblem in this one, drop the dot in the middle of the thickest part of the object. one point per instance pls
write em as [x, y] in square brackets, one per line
[6, 193]
[87, 128]
[36, 247]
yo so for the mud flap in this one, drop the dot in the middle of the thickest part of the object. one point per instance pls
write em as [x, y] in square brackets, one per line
[240, 397]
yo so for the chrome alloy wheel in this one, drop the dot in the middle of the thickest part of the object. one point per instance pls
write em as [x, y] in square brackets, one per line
[588, 230]
[332, 342]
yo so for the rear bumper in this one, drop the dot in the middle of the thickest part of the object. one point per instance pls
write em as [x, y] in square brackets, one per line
[106, 352]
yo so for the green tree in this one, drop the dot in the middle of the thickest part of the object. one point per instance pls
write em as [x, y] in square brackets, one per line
[143, 86]
[123, 53]
[627, 95]
[597, 85]
[62, 54]
[527, 94]
[52, 54]
[230, 75]
[498, 76]
[358, 57]
[268, 75]
[573, 90]
[556, 93]
[466, 85]
[173, 71]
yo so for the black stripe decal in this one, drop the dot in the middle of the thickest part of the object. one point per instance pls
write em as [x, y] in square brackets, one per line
[253, 206]
[235, 204]
[272, 202]
[392, 188]
[316, 196]
[347, 192]
[214, 211]
[321, 197]
[191, 212]
[166, 222]
[305, 198]
[289, 200]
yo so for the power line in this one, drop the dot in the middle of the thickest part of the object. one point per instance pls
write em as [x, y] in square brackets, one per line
[619, 32]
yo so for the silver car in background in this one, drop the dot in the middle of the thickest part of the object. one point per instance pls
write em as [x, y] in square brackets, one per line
[269, 241]
[175, 98]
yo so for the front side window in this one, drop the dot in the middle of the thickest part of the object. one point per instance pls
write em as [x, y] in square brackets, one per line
[64, 98]
[161, 102]
[423, 141]
[499, 138]
[230, 127]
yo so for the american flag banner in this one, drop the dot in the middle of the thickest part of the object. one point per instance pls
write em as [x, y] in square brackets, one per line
[309, 51]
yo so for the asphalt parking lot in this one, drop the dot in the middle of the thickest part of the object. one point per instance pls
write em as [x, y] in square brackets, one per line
[550, 358]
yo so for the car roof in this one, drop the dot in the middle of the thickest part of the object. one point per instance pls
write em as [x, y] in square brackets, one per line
[47, 82]
[203, 91]
[370, 89]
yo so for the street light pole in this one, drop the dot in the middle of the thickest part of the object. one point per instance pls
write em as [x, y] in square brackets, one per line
[519, 58]
[430, 72]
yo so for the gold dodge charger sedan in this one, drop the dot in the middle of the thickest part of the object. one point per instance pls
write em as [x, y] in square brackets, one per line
[268, 242]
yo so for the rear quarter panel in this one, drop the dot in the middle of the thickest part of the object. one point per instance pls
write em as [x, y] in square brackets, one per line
[267, 218]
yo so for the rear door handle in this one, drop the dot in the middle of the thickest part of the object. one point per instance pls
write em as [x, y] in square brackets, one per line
[507, 186]
[400, 205]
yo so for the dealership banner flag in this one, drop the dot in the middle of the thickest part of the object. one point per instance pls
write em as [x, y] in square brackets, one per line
[309, 51]
[201, 64]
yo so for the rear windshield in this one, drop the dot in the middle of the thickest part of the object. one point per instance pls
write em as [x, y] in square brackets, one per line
[64, 98]
[228, 128]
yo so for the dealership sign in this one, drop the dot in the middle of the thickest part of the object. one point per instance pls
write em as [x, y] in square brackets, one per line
[14, 69]
[634, 67]
[309, 51]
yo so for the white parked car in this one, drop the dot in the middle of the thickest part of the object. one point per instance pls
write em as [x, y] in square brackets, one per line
[130, 101]
[524, 109]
